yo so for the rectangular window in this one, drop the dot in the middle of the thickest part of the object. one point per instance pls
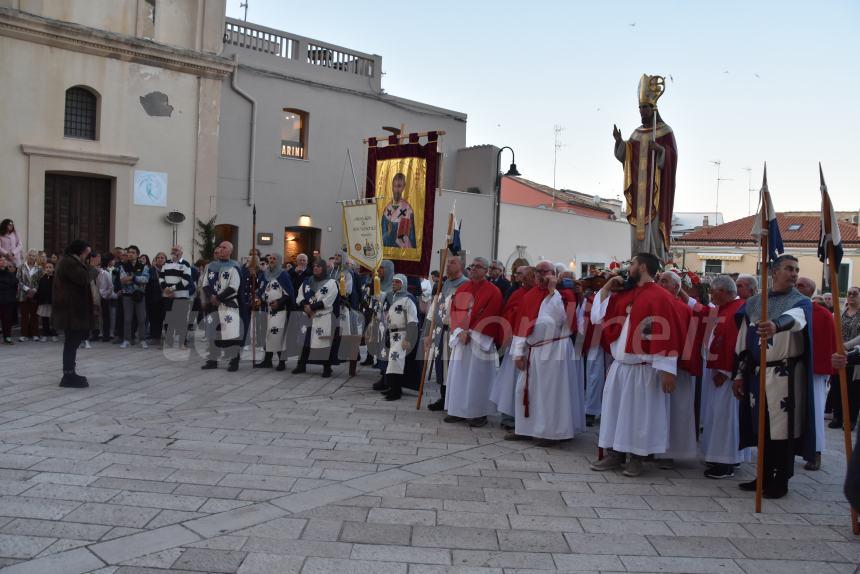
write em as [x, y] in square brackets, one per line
[713, 266]
[843, 278]
[294, 134]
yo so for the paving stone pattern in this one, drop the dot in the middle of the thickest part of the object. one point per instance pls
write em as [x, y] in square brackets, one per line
[160, 467]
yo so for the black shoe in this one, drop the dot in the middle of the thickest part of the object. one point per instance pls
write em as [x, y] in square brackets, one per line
[326, 372]
[81, 378]
[478, 422]
[453, 419]
[776, 489]
[265, 363]
[393, 396]
[234, 365]
[720, 471]
[209, 365]
[589, 420]
[106, 339]
[298, 370]
[282, 366]
[436, 405]
[368, 361]
[748, 486]
[835, 424]
[70, 381]
[380, 385]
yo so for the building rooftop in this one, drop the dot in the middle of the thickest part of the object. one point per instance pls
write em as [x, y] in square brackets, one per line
[796, 230]
[565, 197]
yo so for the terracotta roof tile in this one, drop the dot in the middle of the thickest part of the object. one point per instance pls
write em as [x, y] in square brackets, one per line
[738, 232]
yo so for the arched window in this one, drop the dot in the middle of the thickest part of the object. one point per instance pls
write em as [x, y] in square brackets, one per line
[81, 113]
[294, 134]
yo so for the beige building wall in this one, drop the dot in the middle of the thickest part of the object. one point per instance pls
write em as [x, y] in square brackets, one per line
[182, 142]
[807, 258]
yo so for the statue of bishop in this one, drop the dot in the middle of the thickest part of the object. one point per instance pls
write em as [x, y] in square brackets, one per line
[650, 159]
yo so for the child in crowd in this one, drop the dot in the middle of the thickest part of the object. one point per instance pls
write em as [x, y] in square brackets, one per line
[8, 294]
[44, 293]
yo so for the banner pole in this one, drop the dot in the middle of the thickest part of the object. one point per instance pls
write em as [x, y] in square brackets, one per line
[762, 369]
[443, 260]
[253, 325]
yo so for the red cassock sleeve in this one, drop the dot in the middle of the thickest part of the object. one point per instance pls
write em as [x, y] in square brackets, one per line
[721, 354]
[511, 313]
[824, 343]
[689, 353]
[616, 313]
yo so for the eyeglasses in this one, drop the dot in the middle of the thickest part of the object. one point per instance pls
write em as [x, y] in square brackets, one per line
[476, 266]
[544, 271]
[853, 293]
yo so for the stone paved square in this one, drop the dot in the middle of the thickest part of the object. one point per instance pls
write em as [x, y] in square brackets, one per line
[160, 467]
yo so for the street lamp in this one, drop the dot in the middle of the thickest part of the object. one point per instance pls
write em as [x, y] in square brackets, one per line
[512, 171]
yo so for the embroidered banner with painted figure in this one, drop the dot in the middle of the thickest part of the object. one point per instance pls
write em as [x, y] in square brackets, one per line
[362, 233]
[403, 179]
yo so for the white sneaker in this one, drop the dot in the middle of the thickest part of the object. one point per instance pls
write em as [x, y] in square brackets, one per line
[43, 339]
[23, 339]
[143, 345]
[55, 339]
[124, 345]
[87, 345]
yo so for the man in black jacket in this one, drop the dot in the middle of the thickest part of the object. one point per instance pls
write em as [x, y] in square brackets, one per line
[496, 276]
[852, 477]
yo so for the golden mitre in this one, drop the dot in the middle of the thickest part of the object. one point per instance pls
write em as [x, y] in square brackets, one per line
[650, 89]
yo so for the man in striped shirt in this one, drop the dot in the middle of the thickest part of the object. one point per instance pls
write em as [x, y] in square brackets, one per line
[176, 288]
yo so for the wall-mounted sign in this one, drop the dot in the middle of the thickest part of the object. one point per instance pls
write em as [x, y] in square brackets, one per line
[264, 239]
[150, 188]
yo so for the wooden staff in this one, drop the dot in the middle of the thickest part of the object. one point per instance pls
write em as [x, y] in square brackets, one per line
[253, 325]
[840, 348]
[762, 368]
[443, 260]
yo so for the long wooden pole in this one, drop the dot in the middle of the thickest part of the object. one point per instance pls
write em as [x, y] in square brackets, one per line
[840, 348]
[443, 259]
[762, 369]
[253, 325]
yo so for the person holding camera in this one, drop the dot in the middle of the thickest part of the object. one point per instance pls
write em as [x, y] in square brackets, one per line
[133, 277]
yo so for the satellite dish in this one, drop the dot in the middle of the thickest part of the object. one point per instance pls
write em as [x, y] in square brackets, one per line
[174, 217]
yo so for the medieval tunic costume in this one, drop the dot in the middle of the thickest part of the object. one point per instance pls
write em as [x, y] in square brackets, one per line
[475, 309]
[277, 288]
[322, 332]
[822, 369]
[224, 323]
[401, 328]
[442, 327]
[505, 382]
[550, 394]
[720, 431]
[789, 422]
[642, 329]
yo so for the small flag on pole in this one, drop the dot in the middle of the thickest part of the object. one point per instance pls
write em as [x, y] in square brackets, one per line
[829, 226]
[768, 213]
[455, 246]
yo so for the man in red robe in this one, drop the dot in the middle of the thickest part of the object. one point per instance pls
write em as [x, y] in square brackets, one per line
[550, 394]
[475, 332]
[823, 348]
[720, 423]
[649, 186]
[682, 402]
[505, 382]
[645, 336]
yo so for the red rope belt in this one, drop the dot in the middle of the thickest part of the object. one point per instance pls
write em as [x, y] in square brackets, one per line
[528, 363]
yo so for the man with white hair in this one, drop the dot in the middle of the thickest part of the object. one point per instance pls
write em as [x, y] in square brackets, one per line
[746, 285]
[475, 327]
[175, 281]
[822, 369]
[720, 411]
[223, 312]
[550, 392]
[682, 402]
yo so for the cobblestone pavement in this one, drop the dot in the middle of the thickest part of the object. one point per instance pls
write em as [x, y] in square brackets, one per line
[161, 467]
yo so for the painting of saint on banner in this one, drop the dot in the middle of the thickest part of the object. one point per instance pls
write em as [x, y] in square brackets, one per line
[402, 178]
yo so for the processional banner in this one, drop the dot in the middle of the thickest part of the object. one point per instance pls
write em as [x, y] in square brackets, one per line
[403, 178]
[362, 232]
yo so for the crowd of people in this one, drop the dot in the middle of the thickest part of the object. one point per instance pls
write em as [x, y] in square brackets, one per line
[667, 364]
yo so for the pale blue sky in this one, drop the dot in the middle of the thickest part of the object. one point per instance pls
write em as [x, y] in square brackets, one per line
[518, 68]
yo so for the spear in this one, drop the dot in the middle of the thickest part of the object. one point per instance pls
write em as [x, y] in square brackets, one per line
[831, 241]
[764, 216]
[253, 325]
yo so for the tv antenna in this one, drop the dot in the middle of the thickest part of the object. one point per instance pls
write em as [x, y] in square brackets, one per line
[749, 189]
[717, 201]
[245, 6]
[557, 129]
